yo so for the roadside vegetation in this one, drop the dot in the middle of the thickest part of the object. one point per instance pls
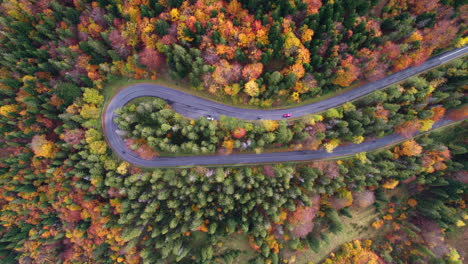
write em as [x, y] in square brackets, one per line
[151, 127]
[66, 198]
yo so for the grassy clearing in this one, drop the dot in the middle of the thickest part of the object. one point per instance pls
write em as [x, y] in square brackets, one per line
[239, 242]
[232, 242]
[358, 227]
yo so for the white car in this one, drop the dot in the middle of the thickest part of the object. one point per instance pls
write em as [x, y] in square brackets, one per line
[210, 118]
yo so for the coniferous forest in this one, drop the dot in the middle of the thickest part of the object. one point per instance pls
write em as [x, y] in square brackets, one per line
[67, 197]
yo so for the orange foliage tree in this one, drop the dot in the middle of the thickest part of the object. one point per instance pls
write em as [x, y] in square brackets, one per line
[252, 71]
[313, 6]
[238, 133]
[439, 113]
[409, 128]
[408, 148]
[301, 220]
[347, 73]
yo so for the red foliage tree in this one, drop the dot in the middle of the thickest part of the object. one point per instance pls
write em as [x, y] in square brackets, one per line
[238, 133]
[391, 50]
[210, 56]
[74, 136]
[313, 6]
[437, 36]
[301, 220]
[119, 43]
[151, 58]
[329, 168]
[269, 171]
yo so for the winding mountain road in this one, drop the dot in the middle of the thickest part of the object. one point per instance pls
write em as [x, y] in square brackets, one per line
[192, 106]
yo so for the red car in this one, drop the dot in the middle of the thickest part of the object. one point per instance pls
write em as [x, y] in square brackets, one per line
[287, 115]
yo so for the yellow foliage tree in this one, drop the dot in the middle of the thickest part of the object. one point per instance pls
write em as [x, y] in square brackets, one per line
[42, 147]
[98, 147]
[426, 124]
[92, 135]
[92, 96]
[89, 111]
[232, 89]
[307, 34]
[348, 106]
[295, 97]
[416, 36]
[408, 148]
[361, 156]
[390, 184]
[175, 15]
[123, 167]
[270, 125]
[291, 44]
[251, 88]
[228, 144]
[7, 109]
[303, 56]
[355, 252]
[331, 145]
[358, 139]
[461, 42]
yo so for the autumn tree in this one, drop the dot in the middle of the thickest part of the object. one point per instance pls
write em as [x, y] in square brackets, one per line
[409, 128]
[408, 148]
[302, 218]
[43, 147]
[151, 58]
[347, 73]
[251, 88]
[252, 71]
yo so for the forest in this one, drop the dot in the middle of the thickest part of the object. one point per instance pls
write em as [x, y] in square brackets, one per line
[66, 197]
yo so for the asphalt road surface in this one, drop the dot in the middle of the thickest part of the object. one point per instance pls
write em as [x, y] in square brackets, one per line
[192, 106]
